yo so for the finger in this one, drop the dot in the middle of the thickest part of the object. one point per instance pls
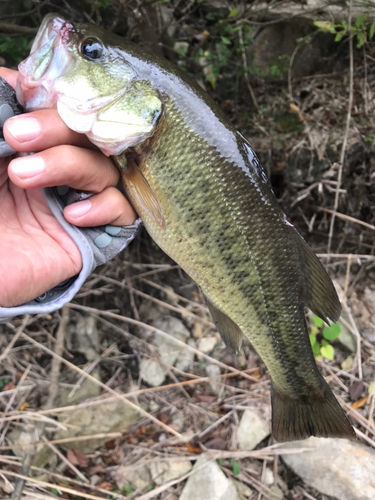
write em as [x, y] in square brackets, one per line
[10, 75]
[79, 168]
[40, 130]
[107, 207]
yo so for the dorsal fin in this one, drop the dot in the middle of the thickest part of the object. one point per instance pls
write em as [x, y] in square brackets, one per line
[229, 331]
[318, 291]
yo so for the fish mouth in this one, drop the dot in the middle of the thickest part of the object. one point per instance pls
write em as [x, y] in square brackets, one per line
[47, 60]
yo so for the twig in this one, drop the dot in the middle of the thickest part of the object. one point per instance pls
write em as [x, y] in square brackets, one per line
[55, 486]
[16, 29]
[246, 70]
[106, 388]
[346, 217]
[152, 329]
[16, 336]
[68, 463]
[52, 392]
[347, 127]
[109, 435]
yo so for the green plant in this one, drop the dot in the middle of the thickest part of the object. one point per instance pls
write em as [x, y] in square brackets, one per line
[362, 29]
[236, 468]
[127, 488]
[321, 336]
[18, 48]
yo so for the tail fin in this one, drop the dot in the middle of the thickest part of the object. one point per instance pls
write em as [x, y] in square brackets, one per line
[318, 414]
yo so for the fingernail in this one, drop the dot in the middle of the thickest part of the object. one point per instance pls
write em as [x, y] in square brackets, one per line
[23, 129]
[78, 209]
[27, 166]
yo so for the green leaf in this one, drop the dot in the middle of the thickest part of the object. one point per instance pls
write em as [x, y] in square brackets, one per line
[54, 491]
[327, 351]
[233, 13]
[360, 20]
[325, 26]
[331, 332]
[220, 462]
[361, 39]
[312, 340]
[128, 488]
[236, 468]
[318, 321]
[4, 382]
[316, 350]
[225, 40]
[339, 36]
[372, 29]
[344, 24]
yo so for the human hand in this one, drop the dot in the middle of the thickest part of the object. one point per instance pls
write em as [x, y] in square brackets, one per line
[36, 253]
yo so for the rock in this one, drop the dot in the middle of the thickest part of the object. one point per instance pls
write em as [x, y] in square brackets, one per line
[346, 338]
[268, 477]
[139, 477]
[347, 364]
[163, 471]
[185, 358]
[152, 372]
[213, 371]
[24, 435]
[369, 334]
[276, 492]
[208, 482]
[207, 344]
[115, 416]
[335, 467]
[178, 420]
[242, 488]
[86, 390]
[251, 430]
[169, 350]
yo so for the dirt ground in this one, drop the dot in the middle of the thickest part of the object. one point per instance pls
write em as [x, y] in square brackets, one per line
[89, 355]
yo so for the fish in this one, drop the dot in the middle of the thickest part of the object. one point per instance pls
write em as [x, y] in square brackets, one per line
[204, 198]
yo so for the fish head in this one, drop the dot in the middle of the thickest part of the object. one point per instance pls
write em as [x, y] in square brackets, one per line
[81, 72]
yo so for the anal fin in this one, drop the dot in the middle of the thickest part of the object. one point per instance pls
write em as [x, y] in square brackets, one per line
[229, 331]
[318, 291]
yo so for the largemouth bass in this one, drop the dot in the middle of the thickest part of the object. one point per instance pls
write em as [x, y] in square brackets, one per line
[203, 197]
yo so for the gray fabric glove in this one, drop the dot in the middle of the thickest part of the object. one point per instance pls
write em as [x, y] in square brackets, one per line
[97, 245]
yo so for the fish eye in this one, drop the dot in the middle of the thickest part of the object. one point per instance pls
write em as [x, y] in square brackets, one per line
[92, 49]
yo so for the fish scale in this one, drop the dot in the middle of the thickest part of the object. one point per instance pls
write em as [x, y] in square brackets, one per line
[240, 290]
[204, 198]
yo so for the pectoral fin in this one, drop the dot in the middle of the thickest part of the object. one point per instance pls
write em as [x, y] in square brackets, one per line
[229, 331]
[141, 194]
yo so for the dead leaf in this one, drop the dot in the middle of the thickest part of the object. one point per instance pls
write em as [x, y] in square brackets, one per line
[358, 404]
[216, 444]
[206, 399]
[356, 390]
[163, 417]
[110, 445]
[294, 109]
[9, 387]
[77, 457]
[106, 486]
[192, 449]
[24, 406]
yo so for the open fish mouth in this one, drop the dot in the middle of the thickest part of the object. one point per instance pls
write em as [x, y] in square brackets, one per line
[49, 57]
